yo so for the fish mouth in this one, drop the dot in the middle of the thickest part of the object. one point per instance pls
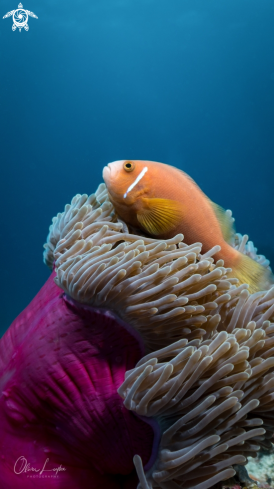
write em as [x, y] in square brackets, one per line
[106, 174]
[109, 172]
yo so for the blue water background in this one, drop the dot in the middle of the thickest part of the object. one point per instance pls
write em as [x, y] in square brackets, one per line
[185, 82]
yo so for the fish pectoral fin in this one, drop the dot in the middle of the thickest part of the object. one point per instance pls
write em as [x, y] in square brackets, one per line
[226, 223]
[159, 216]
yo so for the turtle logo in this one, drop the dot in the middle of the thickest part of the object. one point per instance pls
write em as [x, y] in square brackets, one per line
[20, 18]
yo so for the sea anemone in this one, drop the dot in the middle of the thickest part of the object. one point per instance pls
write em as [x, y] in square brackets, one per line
[136, 352]
[207, 373]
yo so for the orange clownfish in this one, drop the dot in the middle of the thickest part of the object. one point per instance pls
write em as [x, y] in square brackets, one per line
[163, 201]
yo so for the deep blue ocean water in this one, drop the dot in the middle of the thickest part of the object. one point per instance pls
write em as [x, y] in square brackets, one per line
[185, 82]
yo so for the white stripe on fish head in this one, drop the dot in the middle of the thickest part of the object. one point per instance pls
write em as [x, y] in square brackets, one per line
[137, 180]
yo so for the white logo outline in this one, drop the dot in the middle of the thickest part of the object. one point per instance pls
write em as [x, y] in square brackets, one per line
[20, 18]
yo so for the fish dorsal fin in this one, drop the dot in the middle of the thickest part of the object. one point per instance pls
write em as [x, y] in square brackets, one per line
[225, 221]
[159, 216]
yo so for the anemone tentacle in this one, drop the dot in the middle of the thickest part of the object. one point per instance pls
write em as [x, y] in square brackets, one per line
[208, 373]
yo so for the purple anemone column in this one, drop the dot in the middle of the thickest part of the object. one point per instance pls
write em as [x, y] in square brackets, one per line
[61, 365]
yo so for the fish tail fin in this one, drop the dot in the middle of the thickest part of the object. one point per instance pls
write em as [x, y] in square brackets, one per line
[249, 271]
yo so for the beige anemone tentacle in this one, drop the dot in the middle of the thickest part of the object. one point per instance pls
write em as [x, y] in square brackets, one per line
[208, 373]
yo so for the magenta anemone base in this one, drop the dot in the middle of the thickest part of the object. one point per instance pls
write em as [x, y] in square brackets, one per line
[61, 365]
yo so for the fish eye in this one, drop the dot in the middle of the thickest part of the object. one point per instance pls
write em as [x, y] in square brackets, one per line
[129, 166]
